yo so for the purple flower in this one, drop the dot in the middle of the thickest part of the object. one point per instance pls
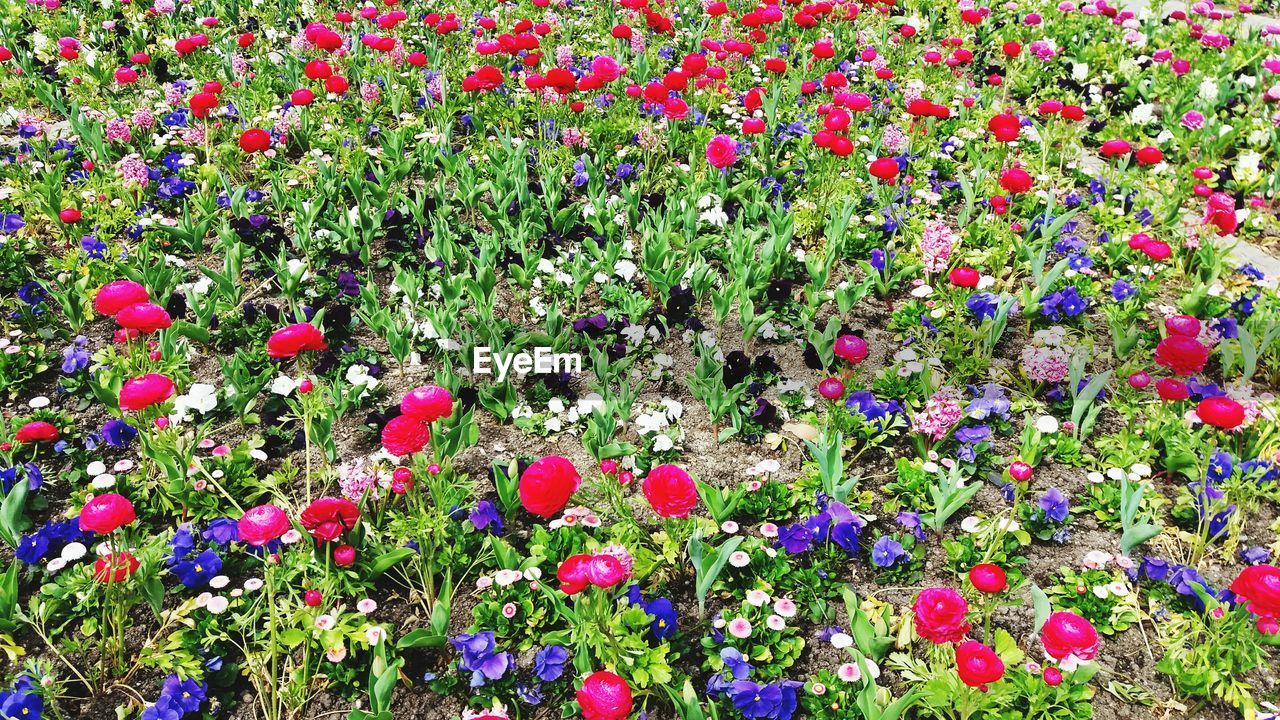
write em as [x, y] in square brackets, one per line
[549, 663]
[887, 552]
[480, 656]
[1055, 505]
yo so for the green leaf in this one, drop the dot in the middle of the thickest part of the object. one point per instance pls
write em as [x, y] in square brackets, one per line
[12, 520]
[420, 638]
[388, 560]
[1040, 601]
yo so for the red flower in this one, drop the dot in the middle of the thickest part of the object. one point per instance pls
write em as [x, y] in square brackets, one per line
[572, 574]
[851, 348]
[106, 513]
[118, 295]
[427, 403]
[1259, 587]
[328, 517]
[302, 97]
[1182, 355]
[262, 524]
[988, 578]
[1184, 325]
[1066, 634]
[288, 341]
[405, 435]
[978, 664]
[670, 491]
[1149, 155]
[940, 615]
[1170, 389]
[145, 317]
[1015, 181]
[1004, 127]
[1221, 412]
[604, 696]
[255, 140]
[1115, 148]
[70, 215]
[143, 392]
[883, 169]
[344, 556]
[116, 567]
[965, 277]
[1221, 213]
[37, 431]
[547, 485]
[203, 104]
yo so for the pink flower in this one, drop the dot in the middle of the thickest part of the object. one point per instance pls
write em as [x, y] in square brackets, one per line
[262, 524]
[1066, 634]
[428, 403]
[143, 392]
[722, 151]
[940, 615]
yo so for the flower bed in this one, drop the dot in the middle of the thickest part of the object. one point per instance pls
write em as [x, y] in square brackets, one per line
[641, 359]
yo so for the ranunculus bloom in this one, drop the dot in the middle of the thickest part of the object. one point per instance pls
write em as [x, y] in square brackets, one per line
[255, 140]
[405, 435]
[851, 348]
[143, 392]
[1015, 181]
[670, 491]
[572, 574]
[604, 696]
[344, 556]
[940, 615]
[290, 340]
[1221, 412]
[547, 485]
[107, 513]
[883, 169]
[988, 578]
[37, 431]
[118, 295]
[427, 403]
[328, 517]
[262, 524]
[1184, 325]
[605, 571]
[1115, 148]
[1182, 355]
[965, 277]
[145, 317]
[1066, 634]
[1259, 587]
[1171, 389]
[1221, 213]
[116, 567]
[722, 151]
[978, 665]
[1004, 127]
[831, 388]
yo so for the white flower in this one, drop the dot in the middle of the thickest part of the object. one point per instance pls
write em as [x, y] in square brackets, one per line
[283, 385]
[1096, 559]
[841, 641]
[73, 551]
[625, 269]
[1047, 424]
[662, 443]
[358, 375]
